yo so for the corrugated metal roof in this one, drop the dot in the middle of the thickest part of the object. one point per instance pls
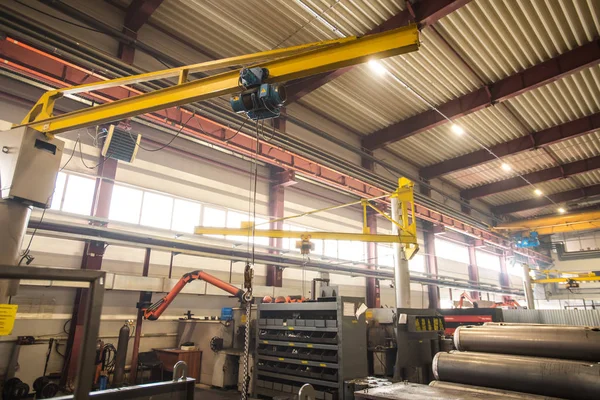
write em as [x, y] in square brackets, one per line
[526, 193]
[521, 163]
[578, 148]
[502, 37]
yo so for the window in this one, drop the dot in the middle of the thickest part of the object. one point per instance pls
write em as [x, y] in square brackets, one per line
[417, 263]
[451, 251]
[214, 217]
[186, 216]
[487, 260]
[318, 251]
[79, 195]
[385, 255]
[515, 269]
[234, 220]
[157, 210]
[261, 241]
[59, 190]
[331, 248]
[125, 204]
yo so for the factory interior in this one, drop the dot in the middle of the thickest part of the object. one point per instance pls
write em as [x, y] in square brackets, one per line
[300, 199]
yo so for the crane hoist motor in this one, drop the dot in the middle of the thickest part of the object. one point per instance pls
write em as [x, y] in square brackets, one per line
[260, 100]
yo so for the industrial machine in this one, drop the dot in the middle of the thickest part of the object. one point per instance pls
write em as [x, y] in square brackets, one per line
[418, 340]
[381, 341]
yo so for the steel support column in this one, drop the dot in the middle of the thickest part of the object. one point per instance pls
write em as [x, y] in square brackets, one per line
[373, 290]
[433, 292]
[528, 287]
[144, 297]
[276, 210]
[473, 271]
[504, 277]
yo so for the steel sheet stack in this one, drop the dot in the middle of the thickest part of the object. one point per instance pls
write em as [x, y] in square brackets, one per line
[547, 360]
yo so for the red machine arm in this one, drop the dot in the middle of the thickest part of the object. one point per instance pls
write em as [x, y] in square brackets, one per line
[154, 311]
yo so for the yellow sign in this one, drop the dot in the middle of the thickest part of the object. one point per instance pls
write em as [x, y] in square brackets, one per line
[243, 319]
[304, 362]
[322, 365]
[369, 314]
[8, 313]
[309, 345]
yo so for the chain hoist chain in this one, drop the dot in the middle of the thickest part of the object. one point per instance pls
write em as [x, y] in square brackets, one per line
[246, 381]
[248, 275]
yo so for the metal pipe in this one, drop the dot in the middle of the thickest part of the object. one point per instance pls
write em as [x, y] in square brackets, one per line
[401, 272]
[566, 342]
[509, 394]
[14, 216]
[528, 287]
[575, 380]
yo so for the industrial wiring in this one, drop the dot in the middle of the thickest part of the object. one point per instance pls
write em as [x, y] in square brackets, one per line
[227, 140]
[83, 161]
[169, 142]
[61, 19]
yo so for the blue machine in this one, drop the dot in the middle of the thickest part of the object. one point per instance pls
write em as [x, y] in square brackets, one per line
[260, 100]
[528, 241]
[226, 314]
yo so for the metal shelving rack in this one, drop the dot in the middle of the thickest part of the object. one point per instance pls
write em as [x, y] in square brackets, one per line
[314, 342]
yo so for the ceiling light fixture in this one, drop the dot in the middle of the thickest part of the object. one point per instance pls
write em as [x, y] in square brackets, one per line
[506, 167]
[538, 192]
[457, 129]
[561, 210]
[376, 66]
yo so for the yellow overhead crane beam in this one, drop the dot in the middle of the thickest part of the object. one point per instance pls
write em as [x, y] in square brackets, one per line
[577, 277]
[407, 226]
[283, 65]
[555, 224]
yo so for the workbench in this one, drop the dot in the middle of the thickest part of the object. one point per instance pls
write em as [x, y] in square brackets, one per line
[193, 359]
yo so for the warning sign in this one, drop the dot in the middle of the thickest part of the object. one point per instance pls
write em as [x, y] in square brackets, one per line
[8, 313]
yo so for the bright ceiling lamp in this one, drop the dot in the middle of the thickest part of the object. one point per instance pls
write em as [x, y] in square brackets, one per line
[376, 66]
[505, 167]
[538, 192]
[457, 129]
[561, 210]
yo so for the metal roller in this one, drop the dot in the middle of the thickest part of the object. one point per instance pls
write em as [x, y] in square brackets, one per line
[575, 380]
[566, 342]
[484, 390]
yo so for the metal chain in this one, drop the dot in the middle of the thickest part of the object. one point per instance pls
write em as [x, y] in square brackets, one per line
[246, 381]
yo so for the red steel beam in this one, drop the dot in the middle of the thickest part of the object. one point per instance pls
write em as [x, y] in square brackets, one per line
[139, 12]
[534, 140]
[276, 204]
[539, 75]
[562, 171]
[561, 197]
[31, 62]
[424, 13]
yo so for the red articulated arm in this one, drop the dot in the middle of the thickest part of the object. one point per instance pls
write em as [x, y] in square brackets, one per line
[154, 311]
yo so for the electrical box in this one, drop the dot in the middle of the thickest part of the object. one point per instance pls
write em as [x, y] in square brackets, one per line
[29, 163]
